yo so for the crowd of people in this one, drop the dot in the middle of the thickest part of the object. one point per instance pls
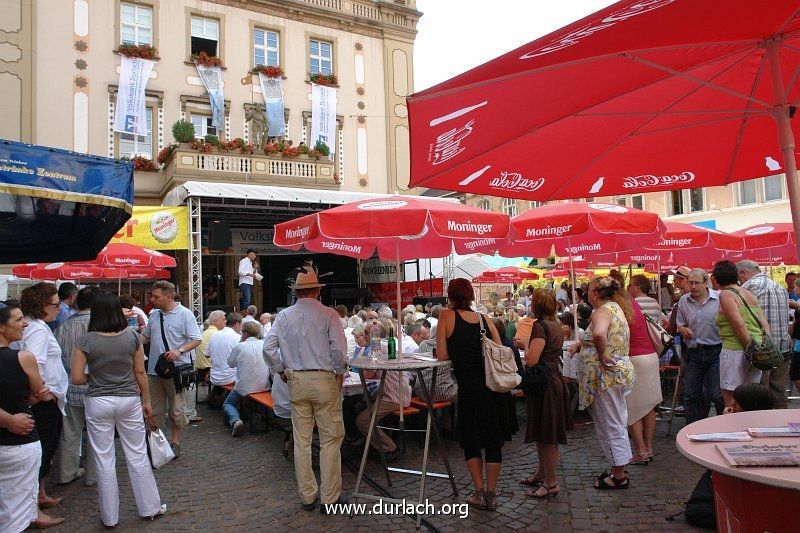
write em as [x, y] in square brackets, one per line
[74, 360]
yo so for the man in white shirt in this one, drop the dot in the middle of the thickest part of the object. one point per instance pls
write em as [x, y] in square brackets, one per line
[247, 274]
[220, 347]
[266, 324]
[252, 311]
[252, 374]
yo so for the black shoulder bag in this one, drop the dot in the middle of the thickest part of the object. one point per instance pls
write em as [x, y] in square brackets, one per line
[537, 378]
[183, 374]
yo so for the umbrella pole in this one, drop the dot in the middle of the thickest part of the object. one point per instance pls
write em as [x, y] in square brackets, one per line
[399, 325]
[574, 292]
[658, 280]
[786, 137]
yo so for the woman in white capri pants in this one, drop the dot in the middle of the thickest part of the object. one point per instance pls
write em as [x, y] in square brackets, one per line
[20, 449]
[116, 365]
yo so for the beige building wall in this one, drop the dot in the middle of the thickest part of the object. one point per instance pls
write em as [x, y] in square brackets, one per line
[71, 59]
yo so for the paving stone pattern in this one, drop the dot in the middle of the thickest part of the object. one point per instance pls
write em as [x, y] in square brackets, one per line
[245, 484]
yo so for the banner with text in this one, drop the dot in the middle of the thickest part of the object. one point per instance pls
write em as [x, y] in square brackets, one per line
[387, 292]
[259, 240]
[157, 228]
[323, 116]
[272, 89]
[212, 81]
[377, 271]
[129, 113]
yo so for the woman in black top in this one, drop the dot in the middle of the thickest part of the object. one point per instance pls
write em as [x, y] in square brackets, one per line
[485, 420]
[20, 449]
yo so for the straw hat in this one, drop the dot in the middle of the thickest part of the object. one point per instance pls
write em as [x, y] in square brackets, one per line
[306, 280]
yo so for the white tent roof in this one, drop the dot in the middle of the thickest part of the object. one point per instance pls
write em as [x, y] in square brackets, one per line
[178, 195]
[466, 266]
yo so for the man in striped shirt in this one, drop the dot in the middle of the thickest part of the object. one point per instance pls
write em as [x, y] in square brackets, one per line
[774, 301]
[639, 289]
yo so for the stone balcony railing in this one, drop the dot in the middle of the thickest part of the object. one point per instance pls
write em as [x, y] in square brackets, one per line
[252, 169]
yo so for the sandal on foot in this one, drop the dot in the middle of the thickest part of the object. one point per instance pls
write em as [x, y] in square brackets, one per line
[532, 481]
[640, 459]
[548, 491]
[607, 481]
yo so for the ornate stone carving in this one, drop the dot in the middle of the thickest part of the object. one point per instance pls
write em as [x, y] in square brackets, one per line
[81, 46]
[80, 64]
[81, 82]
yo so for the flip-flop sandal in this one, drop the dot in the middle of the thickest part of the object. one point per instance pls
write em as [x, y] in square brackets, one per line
[607, 481]
[532, 481]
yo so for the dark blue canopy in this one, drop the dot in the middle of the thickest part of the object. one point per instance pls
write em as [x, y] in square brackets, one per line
[57, 205]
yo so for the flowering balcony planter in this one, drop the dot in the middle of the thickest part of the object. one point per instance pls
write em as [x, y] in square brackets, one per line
[187, 164]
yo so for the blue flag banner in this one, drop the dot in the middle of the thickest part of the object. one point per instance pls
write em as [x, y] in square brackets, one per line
[57, 205]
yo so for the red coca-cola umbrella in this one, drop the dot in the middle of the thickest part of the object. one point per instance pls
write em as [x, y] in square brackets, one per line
[24, 270]
[641, 96]
[578, 228]
[508, 275]
[769, 240]
[399, 227]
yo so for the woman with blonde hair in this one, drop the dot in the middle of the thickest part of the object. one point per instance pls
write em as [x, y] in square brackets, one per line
[549, 415]
[606, 376]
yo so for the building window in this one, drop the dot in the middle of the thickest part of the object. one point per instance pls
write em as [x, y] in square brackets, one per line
[205, 36]
[759, 190]
[266, 48]
[486, 205]
[685, 201]
[321, 57]
[510, 207]
[535, 203]
[136, 24]
[637, 201]
[202, 126]
[773, 188]
[133, 145]
[622, 200]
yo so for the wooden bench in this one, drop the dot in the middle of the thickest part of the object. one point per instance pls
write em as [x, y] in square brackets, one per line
[264, 399]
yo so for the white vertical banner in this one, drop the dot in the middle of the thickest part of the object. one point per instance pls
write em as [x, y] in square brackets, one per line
[212, 81]
[129, 113]
[272, 89]
[323, 116]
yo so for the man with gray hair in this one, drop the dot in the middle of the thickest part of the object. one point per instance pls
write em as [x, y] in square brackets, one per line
[385, 312]
[774, 301]
[266, 324]
[696, 321]
[175, 324]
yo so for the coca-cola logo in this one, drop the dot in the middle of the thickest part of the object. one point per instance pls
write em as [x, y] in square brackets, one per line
[448, 144]
[650, 180]
[514, 181]
[575, 37]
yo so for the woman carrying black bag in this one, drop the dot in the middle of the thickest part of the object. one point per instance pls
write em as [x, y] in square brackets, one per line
[549, 416]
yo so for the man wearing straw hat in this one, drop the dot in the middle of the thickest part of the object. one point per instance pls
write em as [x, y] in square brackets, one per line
[306, 347]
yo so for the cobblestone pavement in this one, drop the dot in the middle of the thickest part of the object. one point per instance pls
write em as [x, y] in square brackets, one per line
[245, 484]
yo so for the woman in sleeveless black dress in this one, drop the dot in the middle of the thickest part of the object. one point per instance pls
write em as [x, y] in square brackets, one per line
[485, 419]
[20, 449]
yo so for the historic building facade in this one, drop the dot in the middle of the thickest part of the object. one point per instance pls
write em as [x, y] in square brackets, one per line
[59, 71]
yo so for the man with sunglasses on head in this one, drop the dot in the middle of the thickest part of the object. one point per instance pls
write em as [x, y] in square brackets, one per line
[696, 324]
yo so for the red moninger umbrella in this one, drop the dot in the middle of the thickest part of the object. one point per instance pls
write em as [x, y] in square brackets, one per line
[54, 271]
[642, 96]
[578, 228]
[682, 244]
[507, 275]
[120, 254]
[400, 227]
[565, 273]
[770, 243]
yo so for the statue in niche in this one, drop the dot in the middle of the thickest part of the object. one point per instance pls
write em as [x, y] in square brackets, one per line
[254, 115]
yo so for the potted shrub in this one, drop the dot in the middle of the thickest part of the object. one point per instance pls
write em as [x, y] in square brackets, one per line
[324, 79]
[206, 60]
[183, 131]
[322, 148]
